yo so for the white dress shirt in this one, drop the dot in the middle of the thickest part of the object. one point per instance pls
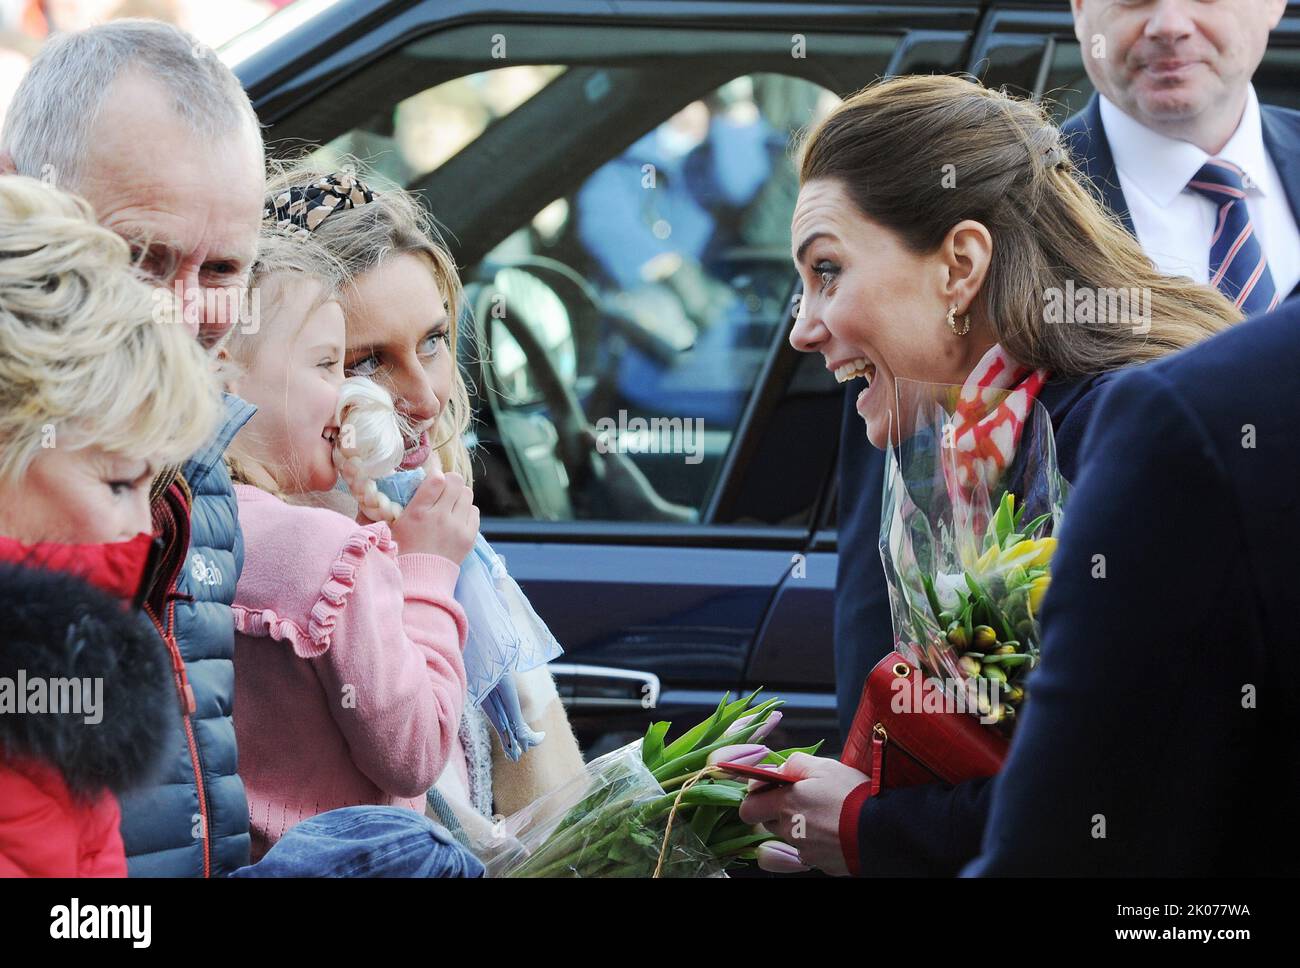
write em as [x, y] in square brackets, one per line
[1173, 223]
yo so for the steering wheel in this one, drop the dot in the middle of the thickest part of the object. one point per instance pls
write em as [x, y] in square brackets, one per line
[551, 455]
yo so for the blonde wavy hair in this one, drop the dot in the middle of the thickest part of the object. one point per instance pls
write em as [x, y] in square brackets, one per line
[889, 147]
[89, 351]
[362, 238]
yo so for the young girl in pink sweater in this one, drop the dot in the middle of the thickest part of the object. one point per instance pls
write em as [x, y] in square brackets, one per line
[349, 677]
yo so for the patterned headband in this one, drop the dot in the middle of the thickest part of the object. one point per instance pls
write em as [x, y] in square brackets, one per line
[300, 210]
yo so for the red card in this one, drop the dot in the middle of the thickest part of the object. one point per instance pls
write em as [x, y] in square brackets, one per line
[765, 774]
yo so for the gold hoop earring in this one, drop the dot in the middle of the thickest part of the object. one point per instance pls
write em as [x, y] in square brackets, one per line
[952, 322]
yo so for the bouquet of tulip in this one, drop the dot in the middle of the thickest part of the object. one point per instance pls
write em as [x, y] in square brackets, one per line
[979, 626]
[967, 562]
[653, 808]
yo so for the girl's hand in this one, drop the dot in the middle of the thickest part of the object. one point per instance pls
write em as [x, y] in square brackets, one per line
[440, 519]
[806, 814]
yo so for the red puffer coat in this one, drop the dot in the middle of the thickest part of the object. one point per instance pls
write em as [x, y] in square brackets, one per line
[85, 704]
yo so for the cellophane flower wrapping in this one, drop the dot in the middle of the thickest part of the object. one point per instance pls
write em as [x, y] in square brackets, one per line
[966, 547]
[609, 822]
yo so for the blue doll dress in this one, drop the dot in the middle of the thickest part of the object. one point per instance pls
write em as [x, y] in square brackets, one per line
[505, 634]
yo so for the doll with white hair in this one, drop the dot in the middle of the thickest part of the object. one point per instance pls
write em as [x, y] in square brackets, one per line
[505, 634]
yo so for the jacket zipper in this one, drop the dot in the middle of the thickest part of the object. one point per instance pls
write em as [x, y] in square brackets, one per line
[185, 692]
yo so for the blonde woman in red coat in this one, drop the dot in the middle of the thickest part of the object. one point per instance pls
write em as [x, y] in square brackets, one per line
[100, 388]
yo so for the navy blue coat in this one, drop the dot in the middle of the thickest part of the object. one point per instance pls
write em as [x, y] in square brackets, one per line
[1160, 737]
[929, 830]
[194, 822]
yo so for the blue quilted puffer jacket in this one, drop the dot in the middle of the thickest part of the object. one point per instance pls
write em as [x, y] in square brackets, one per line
[194, 823]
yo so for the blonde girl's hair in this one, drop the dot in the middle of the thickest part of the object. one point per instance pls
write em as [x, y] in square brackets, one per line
[281, 258]
[890, 147]
[361, 238]
[90, 353]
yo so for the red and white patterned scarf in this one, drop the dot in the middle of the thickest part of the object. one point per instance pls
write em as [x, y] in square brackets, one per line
[988, 420]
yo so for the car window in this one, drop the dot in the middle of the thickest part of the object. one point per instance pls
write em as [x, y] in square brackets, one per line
[630, 319]
[428, 128]
[1066, 89]
[1275, 79]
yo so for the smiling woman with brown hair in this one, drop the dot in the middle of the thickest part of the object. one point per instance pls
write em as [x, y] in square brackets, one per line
[930, 197]
[942, 236]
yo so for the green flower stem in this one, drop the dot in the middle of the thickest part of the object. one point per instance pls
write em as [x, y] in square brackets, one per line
[729, 848]
[641, 815]
[564, 845]
[622, 822]
[672, 783]
[569, 859]
[694, 761]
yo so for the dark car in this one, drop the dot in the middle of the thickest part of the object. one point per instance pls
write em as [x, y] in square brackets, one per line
[616, 182]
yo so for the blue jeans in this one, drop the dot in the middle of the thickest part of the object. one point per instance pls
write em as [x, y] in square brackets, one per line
[366, 842]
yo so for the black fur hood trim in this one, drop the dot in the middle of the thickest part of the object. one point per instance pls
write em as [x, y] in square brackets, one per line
[58, 627]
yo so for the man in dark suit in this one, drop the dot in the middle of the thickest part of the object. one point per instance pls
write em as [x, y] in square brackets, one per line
[1162, 706]
[1160, 736]
[1180, 147]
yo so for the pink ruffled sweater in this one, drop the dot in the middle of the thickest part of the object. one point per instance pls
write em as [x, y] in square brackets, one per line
[349, 681]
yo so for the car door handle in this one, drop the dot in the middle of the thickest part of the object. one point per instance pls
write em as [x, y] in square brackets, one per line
[605, 687]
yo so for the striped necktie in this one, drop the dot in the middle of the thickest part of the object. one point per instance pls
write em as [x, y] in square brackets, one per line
[1238, 267]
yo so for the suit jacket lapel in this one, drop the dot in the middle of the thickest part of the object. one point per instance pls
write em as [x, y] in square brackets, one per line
[1282, 142]
[1091, 150]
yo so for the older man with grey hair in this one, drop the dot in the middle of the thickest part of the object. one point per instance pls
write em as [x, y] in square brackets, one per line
[160, 138]
[158, 135]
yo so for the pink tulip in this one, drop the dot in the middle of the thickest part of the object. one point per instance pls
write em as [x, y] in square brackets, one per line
[760, 734]
[748, 754]
[777, 857]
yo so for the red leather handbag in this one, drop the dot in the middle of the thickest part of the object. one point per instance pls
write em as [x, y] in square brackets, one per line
[911, 747]
[899, 749]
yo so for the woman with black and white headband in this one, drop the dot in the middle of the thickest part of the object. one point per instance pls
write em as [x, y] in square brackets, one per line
[401, 303]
